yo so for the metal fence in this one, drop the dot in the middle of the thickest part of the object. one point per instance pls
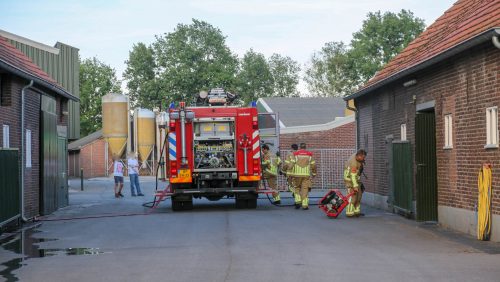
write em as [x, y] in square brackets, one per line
[330, 164]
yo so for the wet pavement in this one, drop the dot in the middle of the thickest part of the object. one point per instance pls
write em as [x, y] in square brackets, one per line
[100, 238]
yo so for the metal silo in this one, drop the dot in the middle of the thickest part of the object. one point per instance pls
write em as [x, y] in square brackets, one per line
[115, 122]
[145, 132]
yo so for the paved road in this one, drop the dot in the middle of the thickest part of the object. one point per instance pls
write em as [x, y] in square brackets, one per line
[216, 242]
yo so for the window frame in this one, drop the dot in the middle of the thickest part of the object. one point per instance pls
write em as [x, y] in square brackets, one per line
[5, 136]
[28, 148]
[491, 127]
[448, 131]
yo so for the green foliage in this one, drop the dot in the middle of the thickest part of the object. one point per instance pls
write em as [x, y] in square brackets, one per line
[380, 39]
[338, 69]
[141, 78]
[191, 58]
[255, 79]
[328, 73]
[285, 73]
[96, 80]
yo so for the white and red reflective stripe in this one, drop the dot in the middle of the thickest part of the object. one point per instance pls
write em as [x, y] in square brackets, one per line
[256, 144]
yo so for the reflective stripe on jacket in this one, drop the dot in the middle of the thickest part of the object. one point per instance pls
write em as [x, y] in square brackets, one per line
[271, 164]
[351, 171]
[304, 164]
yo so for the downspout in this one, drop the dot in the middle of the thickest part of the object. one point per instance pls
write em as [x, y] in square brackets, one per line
[496, 41]
[22, 149]
[356, 117]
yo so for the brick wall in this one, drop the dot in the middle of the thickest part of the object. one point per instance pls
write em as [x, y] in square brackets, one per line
[92, 159]
[11, 115]
[342, 137]
[463, 86]
[329, 165]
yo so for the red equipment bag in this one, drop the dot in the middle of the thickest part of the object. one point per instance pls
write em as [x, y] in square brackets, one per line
[333, 203]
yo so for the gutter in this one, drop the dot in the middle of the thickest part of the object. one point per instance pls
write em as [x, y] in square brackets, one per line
[356, 118]
[37, 80]
[491, 34]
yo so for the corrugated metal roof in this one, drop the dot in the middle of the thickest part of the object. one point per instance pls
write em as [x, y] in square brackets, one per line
[82, 142]
[62, 63]
[15, 61]
[305, 111]
[465, 20]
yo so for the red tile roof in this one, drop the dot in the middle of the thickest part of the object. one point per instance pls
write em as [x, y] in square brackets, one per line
[463, 21]
[15, 58]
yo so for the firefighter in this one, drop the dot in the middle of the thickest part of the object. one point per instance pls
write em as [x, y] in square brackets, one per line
[288, 169]
[271, 165]
[304, 169]
[352, 174]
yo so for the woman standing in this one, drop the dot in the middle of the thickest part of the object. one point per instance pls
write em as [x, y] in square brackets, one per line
[133, 173]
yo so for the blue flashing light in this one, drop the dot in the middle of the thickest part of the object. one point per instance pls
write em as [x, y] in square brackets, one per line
[254, 104]
[172, 105]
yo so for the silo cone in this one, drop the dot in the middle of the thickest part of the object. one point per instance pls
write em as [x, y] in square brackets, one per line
[115, 122]
[145, 133]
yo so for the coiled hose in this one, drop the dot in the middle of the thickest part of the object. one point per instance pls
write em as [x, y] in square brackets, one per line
[484, 203]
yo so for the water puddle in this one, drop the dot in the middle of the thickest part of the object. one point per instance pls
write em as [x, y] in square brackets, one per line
[25, 244]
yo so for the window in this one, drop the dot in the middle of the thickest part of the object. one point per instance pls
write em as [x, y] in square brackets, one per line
[28, 148]
[491, 127]
[403, 132]
[448, 131]
[6, 136]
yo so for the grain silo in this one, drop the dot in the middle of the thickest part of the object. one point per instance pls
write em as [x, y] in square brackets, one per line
[115, 122]
[144, 130]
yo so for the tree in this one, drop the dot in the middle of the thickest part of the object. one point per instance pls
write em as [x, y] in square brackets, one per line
[191, 58]
[338, 69]
[285, 73]
[328, 72]
[141, 77]
[380, 39]
[96, 80]
[255, 79]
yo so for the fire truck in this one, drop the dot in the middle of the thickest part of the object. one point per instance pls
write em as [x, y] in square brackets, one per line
[213, 151]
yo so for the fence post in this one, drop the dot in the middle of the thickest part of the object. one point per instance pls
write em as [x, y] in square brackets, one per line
[81, 179]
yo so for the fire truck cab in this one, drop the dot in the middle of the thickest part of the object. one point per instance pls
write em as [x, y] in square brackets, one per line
[214, 151]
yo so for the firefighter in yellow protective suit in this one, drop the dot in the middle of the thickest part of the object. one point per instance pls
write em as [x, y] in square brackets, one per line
[288, 169]
[303, 171]
[271, 165]
[352, 174]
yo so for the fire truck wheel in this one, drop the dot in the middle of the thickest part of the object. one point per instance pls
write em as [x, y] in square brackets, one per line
[241, 203]
[176, 205]
[252, 203]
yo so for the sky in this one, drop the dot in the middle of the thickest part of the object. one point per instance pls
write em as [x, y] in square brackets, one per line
[107, 29]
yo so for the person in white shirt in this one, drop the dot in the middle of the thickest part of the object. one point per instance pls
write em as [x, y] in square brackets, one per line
[133, 173]
[118, 174]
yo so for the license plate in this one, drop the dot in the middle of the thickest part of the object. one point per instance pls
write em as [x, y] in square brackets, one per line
[184, 173]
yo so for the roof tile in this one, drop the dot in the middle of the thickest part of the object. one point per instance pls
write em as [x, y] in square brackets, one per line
[12, 56]
[464, 20]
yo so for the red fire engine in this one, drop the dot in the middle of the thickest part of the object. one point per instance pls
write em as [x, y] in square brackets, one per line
[213, 151]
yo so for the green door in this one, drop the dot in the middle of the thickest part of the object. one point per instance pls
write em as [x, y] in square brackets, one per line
[425, 157]
[62, 168]
[402, 174]
[48, 157]
[10, 190]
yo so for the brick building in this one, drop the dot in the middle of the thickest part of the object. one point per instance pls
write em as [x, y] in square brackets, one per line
[429, 120]
[89, 153]
[37, 130]
[323, 124]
